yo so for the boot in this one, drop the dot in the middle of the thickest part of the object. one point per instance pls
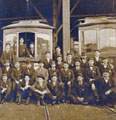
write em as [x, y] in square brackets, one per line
[2, 101]
[19, 101]
[28, 99]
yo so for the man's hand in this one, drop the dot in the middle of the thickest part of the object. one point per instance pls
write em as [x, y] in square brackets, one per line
[22, 88]
[17, 82]
[3, 90]
[54, 97]
[91, 80]
[108, 92]
[93, 87]
[69, 83]
[20, 80]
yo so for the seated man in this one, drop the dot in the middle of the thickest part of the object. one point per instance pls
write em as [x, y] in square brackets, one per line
[107, 90]
[56, 93]
[40, 89]
[5, 88]
[24, 90]
[81, 91]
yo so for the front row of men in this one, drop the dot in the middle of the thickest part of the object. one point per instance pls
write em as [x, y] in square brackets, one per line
[58, 86]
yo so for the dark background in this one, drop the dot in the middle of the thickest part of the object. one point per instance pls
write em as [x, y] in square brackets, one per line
[18, 8]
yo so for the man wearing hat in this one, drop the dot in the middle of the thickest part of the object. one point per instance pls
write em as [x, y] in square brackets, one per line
[40, 89]
[81, 92]
[106, 66]
[5, 87]
[24, 90]
[57, 53]
[70, 60]
[7, 68]
[47, 60]
[84, 62]
[17, 74]
[59, 62]
[32, 50]
[78, 69]
[42, 71]
[92, 76]
[66, 78]
[23, 50]
[29, 69]
[8, 55]
[55, 88]
[107, 89]
[97, 59]
[53, 70]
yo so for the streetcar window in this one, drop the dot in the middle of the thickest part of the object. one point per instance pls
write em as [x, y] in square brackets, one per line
[26, 44]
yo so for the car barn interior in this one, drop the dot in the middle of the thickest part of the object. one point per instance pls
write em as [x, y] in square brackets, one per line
[57, 60]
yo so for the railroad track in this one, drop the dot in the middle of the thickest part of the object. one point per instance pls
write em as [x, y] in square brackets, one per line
[47, 116]
[111, 110]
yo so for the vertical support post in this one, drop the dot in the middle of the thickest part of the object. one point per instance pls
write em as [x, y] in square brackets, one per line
[66, 26]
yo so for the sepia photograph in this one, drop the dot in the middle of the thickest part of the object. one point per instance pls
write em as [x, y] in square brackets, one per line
[57, 59]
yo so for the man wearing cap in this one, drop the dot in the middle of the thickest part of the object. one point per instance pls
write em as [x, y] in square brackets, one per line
[66, 79]
[8, 55]
[42, 71]
[107, 89]
[106, 66]
[40, 89]
[78, 69]
[84, 62]
[32, 50]
[92, 75]
[70, 60]
[23, 51]
[97, 59]
[57, 53]
[55, 88]
[7, 68]
[53, 70]
[29, 70]
[59, 62]
[17, 74]
[81, 92]
[24, 90]
[47, 60]
[5, 87]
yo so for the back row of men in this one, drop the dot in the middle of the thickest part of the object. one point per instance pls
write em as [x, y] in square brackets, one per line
[80, 80]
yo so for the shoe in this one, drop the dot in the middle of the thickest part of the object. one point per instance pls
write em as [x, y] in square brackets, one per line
[19, 101]
[42, 103]
[27, 102]
[110, 105]
[2, 101]
[38, 103]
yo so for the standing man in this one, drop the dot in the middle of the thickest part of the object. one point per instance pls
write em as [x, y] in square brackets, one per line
[32, 49]
[8, 55]
[57, 53]
[70, 60]
[42, 71]
[59, 63]
[23, 50]
[66, 78]
[92, 76]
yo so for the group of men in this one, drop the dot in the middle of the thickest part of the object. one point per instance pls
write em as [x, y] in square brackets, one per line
[80, 80]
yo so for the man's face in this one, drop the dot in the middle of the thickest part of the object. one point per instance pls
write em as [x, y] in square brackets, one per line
[40, 80]
[105, 61]
[41, 65]
[77, 63]
[66, 66]
[106, 75]
[17, 64]
[7, 47]
[69, 56]
[31, 46]
[21, 41]
[7, 64]
[29, 65]
[80, 80]
[27, 78]
[91, 62]
[58, 50]
[59, 59]
[4, 78]
[54, 79]
[97, 53]
[84, 60]
[47, 55]
[53, 65]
